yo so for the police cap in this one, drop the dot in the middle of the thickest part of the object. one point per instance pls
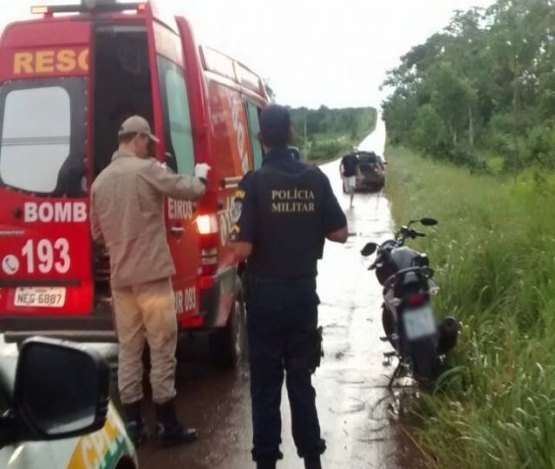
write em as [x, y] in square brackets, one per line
[275, 124]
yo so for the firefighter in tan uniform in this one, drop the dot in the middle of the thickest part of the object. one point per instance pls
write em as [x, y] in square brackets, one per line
[127, 216]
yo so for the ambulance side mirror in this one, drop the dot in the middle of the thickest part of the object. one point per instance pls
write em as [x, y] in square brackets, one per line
[61, 390]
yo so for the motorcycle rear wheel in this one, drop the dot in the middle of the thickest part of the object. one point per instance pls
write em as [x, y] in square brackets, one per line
[425, 360]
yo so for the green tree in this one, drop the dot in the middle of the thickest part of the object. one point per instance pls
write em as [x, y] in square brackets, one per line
[428, 135]
[490, 78]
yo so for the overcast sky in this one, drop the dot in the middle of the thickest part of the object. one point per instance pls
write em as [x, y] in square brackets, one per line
[313, 52]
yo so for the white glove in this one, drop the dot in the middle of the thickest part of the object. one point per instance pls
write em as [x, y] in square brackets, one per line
[201, 170]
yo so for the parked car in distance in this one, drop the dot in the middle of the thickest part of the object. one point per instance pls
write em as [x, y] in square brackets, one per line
[372, 174]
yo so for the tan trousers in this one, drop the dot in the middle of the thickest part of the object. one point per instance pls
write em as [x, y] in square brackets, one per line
[146, 311]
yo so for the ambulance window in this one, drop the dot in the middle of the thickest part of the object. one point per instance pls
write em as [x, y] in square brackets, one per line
[254, 128]
[37, 136]
[177, 116]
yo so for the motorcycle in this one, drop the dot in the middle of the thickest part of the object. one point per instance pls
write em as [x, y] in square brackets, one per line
[419, 342]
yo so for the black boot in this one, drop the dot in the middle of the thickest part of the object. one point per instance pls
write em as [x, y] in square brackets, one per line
[134, 423]
[312, 463]
[169, 431]
[266, 464]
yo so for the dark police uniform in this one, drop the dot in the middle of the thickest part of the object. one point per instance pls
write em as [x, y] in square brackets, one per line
[285, 209]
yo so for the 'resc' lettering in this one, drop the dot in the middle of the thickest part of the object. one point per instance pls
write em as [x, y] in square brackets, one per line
[57, 212]
[50, 61]
[83, 60]
[67, 61]
[44, 61]
[22, 63]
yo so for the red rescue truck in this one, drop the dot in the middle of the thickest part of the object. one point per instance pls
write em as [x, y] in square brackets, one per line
[67, 81]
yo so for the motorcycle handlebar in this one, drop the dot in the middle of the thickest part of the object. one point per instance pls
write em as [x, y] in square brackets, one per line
[408, 233]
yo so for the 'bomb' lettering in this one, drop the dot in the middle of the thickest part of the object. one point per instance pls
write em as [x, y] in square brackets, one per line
[55, 212]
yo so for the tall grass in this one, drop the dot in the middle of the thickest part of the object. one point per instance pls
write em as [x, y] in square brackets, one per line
[494, 251]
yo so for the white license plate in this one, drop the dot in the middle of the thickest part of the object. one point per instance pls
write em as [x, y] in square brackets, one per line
[419, 322]
[45, 297]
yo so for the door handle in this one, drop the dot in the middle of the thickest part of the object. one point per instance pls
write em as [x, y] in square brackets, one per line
[177, 230]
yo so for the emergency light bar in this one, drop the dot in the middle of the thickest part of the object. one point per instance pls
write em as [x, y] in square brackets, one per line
[88, 6]
[39, 10]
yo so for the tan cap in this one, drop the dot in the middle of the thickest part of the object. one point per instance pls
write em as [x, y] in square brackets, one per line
[136, 125]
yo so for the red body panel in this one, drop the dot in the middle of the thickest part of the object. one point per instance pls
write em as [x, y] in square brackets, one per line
[45, 241]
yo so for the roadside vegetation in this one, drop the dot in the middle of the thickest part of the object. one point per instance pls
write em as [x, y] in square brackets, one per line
[324, 134]
[494, 254]
[477, 102]
[481, 93]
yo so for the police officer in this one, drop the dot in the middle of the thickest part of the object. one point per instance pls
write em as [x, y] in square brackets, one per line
[284, 212]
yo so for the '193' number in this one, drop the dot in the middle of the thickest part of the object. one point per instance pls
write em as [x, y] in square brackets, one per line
[47, 256]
